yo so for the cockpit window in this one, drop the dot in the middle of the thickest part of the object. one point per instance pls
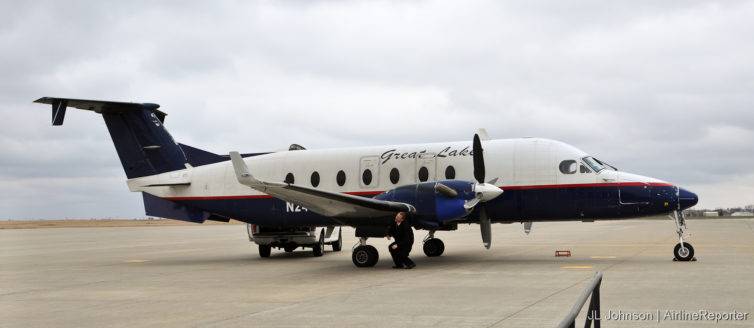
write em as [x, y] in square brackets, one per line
[593, 163]
[568, 166]
[607, 166]
[584, 169]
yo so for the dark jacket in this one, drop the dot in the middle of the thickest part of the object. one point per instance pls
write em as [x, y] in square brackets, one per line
[404, 237]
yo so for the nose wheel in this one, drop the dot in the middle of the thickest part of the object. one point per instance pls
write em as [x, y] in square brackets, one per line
[433, 247]
[683, 251]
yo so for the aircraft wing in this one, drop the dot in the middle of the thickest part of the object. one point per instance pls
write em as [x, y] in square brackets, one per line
[322, 202]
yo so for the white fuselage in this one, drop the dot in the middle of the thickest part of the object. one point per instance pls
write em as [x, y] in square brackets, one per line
[513, 162]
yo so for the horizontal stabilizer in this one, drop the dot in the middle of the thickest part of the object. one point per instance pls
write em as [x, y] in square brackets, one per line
[59, 106]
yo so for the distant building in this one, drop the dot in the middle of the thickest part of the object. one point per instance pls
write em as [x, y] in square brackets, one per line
[742, 214]
[711, 213]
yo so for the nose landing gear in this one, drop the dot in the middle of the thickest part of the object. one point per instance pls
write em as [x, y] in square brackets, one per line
[432, 246]
[683, 251]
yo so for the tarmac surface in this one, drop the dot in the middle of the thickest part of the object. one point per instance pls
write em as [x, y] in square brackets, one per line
[212, 276]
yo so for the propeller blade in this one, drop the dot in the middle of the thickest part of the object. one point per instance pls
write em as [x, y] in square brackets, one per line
[478, 159]
[445, 190]
[485, 226]
[483, 191]
[472, 202]
[483, 134]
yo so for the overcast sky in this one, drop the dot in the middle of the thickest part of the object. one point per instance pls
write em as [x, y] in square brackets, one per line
[658, 88]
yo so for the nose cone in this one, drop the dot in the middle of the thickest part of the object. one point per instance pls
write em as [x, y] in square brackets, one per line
[487, 190]
[686, 198]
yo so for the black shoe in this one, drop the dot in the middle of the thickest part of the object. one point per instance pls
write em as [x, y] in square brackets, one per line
[397, 267]
[411, 266]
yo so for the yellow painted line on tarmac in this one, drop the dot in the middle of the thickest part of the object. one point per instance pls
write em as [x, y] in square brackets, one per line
[603, 257]
[136, 261]
[577, 267]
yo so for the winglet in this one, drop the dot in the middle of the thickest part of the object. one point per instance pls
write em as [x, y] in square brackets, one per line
[242, 171]
[58, 111]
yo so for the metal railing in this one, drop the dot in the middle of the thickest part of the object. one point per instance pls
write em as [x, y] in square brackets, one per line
[593, 314]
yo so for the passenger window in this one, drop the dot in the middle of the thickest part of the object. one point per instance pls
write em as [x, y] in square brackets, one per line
[315, 179]
[395, 176]
[584, 169]
[423, 174]
[366, 177]
[289, 178]
[340, 178]
[450, 172]
[568, 166]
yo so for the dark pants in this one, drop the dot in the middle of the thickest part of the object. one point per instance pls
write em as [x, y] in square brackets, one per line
[400, 258]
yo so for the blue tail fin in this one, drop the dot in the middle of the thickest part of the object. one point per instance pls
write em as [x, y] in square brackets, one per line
[199, 157]
[143, 144]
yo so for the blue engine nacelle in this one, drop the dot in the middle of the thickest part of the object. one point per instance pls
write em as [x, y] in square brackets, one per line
[433, 208]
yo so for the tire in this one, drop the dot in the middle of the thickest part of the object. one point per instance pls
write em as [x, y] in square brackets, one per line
[683, 256]
[434, 247]
[319, 247]
[375, 255]
[289, 248]
[337, 246]
[365, 256]
[265, 250]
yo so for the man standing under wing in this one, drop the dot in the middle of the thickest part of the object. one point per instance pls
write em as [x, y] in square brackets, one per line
[404, 240]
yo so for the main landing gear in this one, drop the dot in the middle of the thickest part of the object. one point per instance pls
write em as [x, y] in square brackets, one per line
[367, 256]
[682, 251]
[364, 255]
[432, 246]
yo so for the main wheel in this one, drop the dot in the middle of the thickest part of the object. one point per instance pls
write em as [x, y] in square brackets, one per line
[264, 250]
[319, 247]
[365, 256]
[375, 254]
[338, 244]
[434, 247]
[683, 254]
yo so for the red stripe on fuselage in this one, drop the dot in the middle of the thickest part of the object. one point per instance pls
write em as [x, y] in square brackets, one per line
[372, 193]
[587, 185]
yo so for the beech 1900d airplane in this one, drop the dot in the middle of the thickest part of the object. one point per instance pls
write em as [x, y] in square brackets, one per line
[441, 184]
